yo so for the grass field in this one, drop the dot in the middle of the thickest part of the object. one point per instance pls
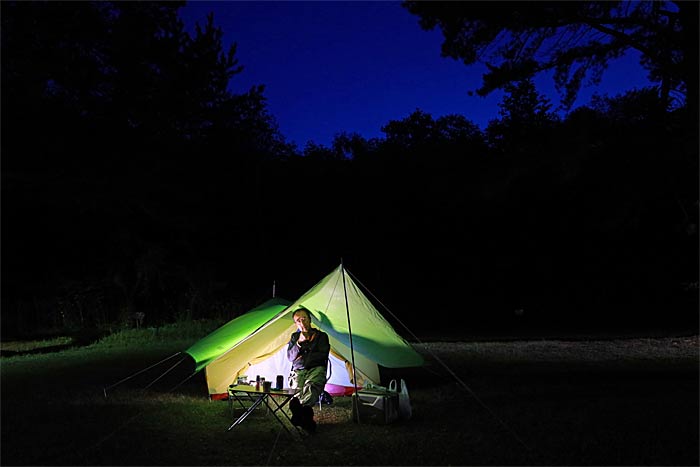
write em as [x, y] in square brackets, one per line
[546, 402]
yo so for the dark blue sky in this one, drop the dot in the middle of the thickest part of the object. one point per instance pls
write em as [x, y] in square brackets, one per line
[333, 66]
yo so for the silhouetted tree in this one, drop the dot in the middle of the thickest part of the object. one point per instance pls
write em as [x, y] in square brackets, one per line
[576, 40]
[122, 144]
[433, 140]
[354, 146]
[128, 74]
[525, 117]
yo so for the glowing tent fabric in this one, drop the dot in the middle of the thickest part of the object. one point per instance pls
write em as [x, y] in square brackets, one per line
[256, 344]
[209, 348]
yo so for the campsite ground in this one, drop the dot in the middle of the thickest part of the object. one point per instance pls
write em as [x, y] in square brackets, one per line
[535, 402]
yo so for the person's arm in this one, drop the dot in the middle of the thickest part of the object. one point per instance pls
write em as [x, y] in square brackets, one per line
[293, 349]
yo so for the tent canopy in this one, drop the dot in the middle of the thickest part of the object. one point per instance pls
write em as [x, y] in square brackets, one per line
[209, 348]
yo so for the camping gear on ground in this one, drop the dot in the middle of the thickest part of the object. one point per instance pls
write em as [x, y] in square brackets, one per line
[381, 405]
[256, 342]
[325, 398]
[375, 406]
[405, 410]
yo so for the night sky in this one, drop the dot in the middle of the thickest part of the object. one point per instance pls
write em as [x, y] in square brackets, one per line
[334, 66]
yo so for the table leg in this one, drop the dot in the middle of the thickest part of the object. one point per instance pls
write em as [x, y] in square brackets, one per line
[233, 395]
[248, 411]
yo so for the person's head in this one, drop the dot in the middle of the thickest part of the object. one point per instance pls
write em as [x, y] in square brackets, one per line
[302, 318]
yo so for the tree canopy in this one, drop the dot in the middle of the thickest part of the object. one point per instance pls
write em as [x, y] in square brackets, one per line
[575, 40]
[123, 71]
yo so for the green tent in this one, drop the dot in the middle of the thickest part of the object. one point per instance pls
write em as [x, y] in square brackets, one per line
[255, 343]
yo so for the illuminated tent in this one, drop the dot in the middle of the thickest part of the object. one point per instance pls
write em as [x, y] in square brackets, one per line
[255, 343]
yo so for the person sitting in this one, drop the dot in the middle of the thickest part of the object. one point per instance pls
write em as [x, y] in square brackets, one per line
[308, 351]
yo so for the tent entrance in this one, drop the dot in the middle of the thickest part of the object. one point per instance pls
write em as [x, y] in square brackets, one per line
[339, 382]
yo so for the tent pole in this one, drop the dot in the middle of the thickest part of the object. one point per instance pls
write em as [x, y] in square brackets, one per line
[352, 351]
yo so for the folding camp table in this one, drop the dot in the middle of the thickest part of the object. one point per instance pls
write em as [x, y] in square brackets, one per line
[271, 399]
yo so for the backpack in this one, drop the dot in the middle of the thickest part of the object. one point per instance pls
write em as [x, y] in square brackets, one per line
[325, 398]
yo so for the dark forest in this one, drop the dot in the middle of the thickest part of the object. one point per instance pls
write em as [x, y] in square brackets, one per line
[135, 180]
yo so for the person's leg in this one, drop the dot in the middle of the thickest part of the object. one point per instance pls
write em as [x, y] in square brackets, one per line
[297, 380]
[313, 384]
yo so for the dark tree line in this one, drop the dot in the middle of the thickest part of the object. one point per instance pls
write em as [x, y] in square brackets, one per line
[136, 180]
